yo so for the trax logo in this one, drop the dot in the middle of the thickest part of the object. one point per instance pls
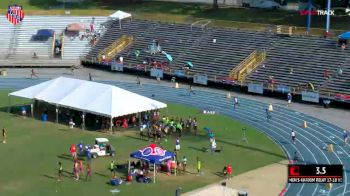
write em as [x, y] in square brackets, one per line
[316, 12]
[294, 170]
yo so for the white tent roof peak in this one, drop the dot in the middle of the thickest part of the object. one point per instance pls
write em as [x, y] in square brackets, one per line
[120, 15]
[90, 97]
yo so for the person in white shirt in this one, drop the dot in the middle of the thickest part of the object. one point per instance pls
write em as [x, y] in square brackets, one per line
[235, 103]
[293, 136]
[71, 123]
[213, 146]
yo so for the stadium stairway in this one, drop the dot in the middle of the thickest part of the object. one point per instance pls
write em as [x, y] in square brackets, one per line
[16, 43]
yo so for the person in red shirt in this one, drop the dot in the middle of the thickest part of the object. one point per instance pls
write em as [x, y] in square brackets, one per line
[73, 151]
[229, 170]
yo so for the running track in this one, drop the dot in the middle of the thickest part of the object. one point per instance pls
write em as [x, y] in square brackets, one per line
[310, 141]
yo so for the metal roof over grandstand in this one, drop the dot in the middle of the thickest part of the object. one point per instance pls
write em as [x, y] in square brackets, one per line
[90, 97]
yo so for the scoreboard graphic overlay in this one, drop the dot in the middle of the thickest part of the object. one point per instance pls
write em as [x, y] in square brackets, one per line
[315, 173]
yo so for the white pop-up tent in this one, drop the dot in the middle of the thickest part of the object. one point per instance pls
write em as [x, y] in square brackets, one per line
[89, 97]
[119, 15]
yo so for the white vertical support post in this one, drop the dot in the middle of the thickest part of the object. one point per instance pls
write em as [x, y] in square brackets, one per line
[83, 119]
[154, 172]
[32, 109]
[175, 166]
[140, 118]
[111, 124]
[9, 104]
[129, 167]
[56, 114]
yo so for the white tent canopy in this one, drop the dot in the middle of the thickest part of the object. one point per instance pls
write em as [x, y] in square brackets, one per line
[119, 15]
[89, 97]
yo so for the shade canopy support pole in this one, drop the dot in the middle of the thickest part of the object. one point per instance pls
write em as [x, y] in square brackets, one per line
[32, 109]
[154, 172]
[56, 113]
[111, 123]
[83, 119]
[9, 104]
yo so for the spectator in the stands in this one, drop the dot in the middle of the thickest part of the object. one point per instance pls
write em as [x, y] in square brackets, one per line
[34, 55]
[326, 73]
[339, 71]
[91, 27]
[343, 46]
[291, 71]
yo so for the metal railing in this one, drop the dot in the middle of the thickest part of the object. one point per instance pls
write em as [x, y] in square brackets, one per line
[115, 48]
[247, 65]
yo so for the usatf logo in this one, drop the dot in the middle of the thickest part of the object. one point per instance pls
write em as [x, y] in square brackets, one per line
[15, 14]
[316, 12]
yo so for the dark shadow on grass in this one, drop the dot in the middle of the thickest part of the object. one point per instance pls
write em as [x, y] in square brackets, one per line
[65, 156]
[220, 174]
[137, 138]
[103, 175]
[50, 177]
[250, 148]
[198, 149]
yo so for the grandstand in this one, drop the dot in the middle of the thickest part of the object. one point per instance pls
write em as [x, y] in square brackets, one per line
[17, 46]
[221, 54]
[186, 44]
[296, 62]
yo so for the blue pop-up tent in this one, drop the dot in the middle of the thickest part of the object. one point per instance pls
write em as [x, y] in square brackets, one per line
[345, 35]
[45, 32]
[153, 154]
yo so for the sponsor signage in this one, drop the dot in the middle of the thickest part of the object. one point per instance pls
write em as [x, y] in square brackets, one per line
[310, 96]
[255, 88]
[158, 73]
[117, 67]
[200, 79]
[179, 73]
[14, 14]
[282, 88]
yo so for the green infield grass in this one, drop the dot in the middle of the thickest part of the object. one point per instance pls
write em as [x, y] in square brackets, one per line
[29, 159]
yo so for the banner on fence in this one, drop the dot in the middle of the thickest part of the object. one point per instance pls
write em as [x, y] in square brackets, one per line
[255, 88]
[179, 73]
[117, 67]
[200, 79]
[282, 88]
[158, 73]
[310, 96]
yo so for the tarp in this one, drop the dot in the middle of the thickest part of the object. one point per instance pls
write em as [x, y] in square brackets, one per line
[90, 97]
[75, 27]
[153, 154]
[168, 56]
[189, 64]
[345, 35]
[45, 33]
[120, 15]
